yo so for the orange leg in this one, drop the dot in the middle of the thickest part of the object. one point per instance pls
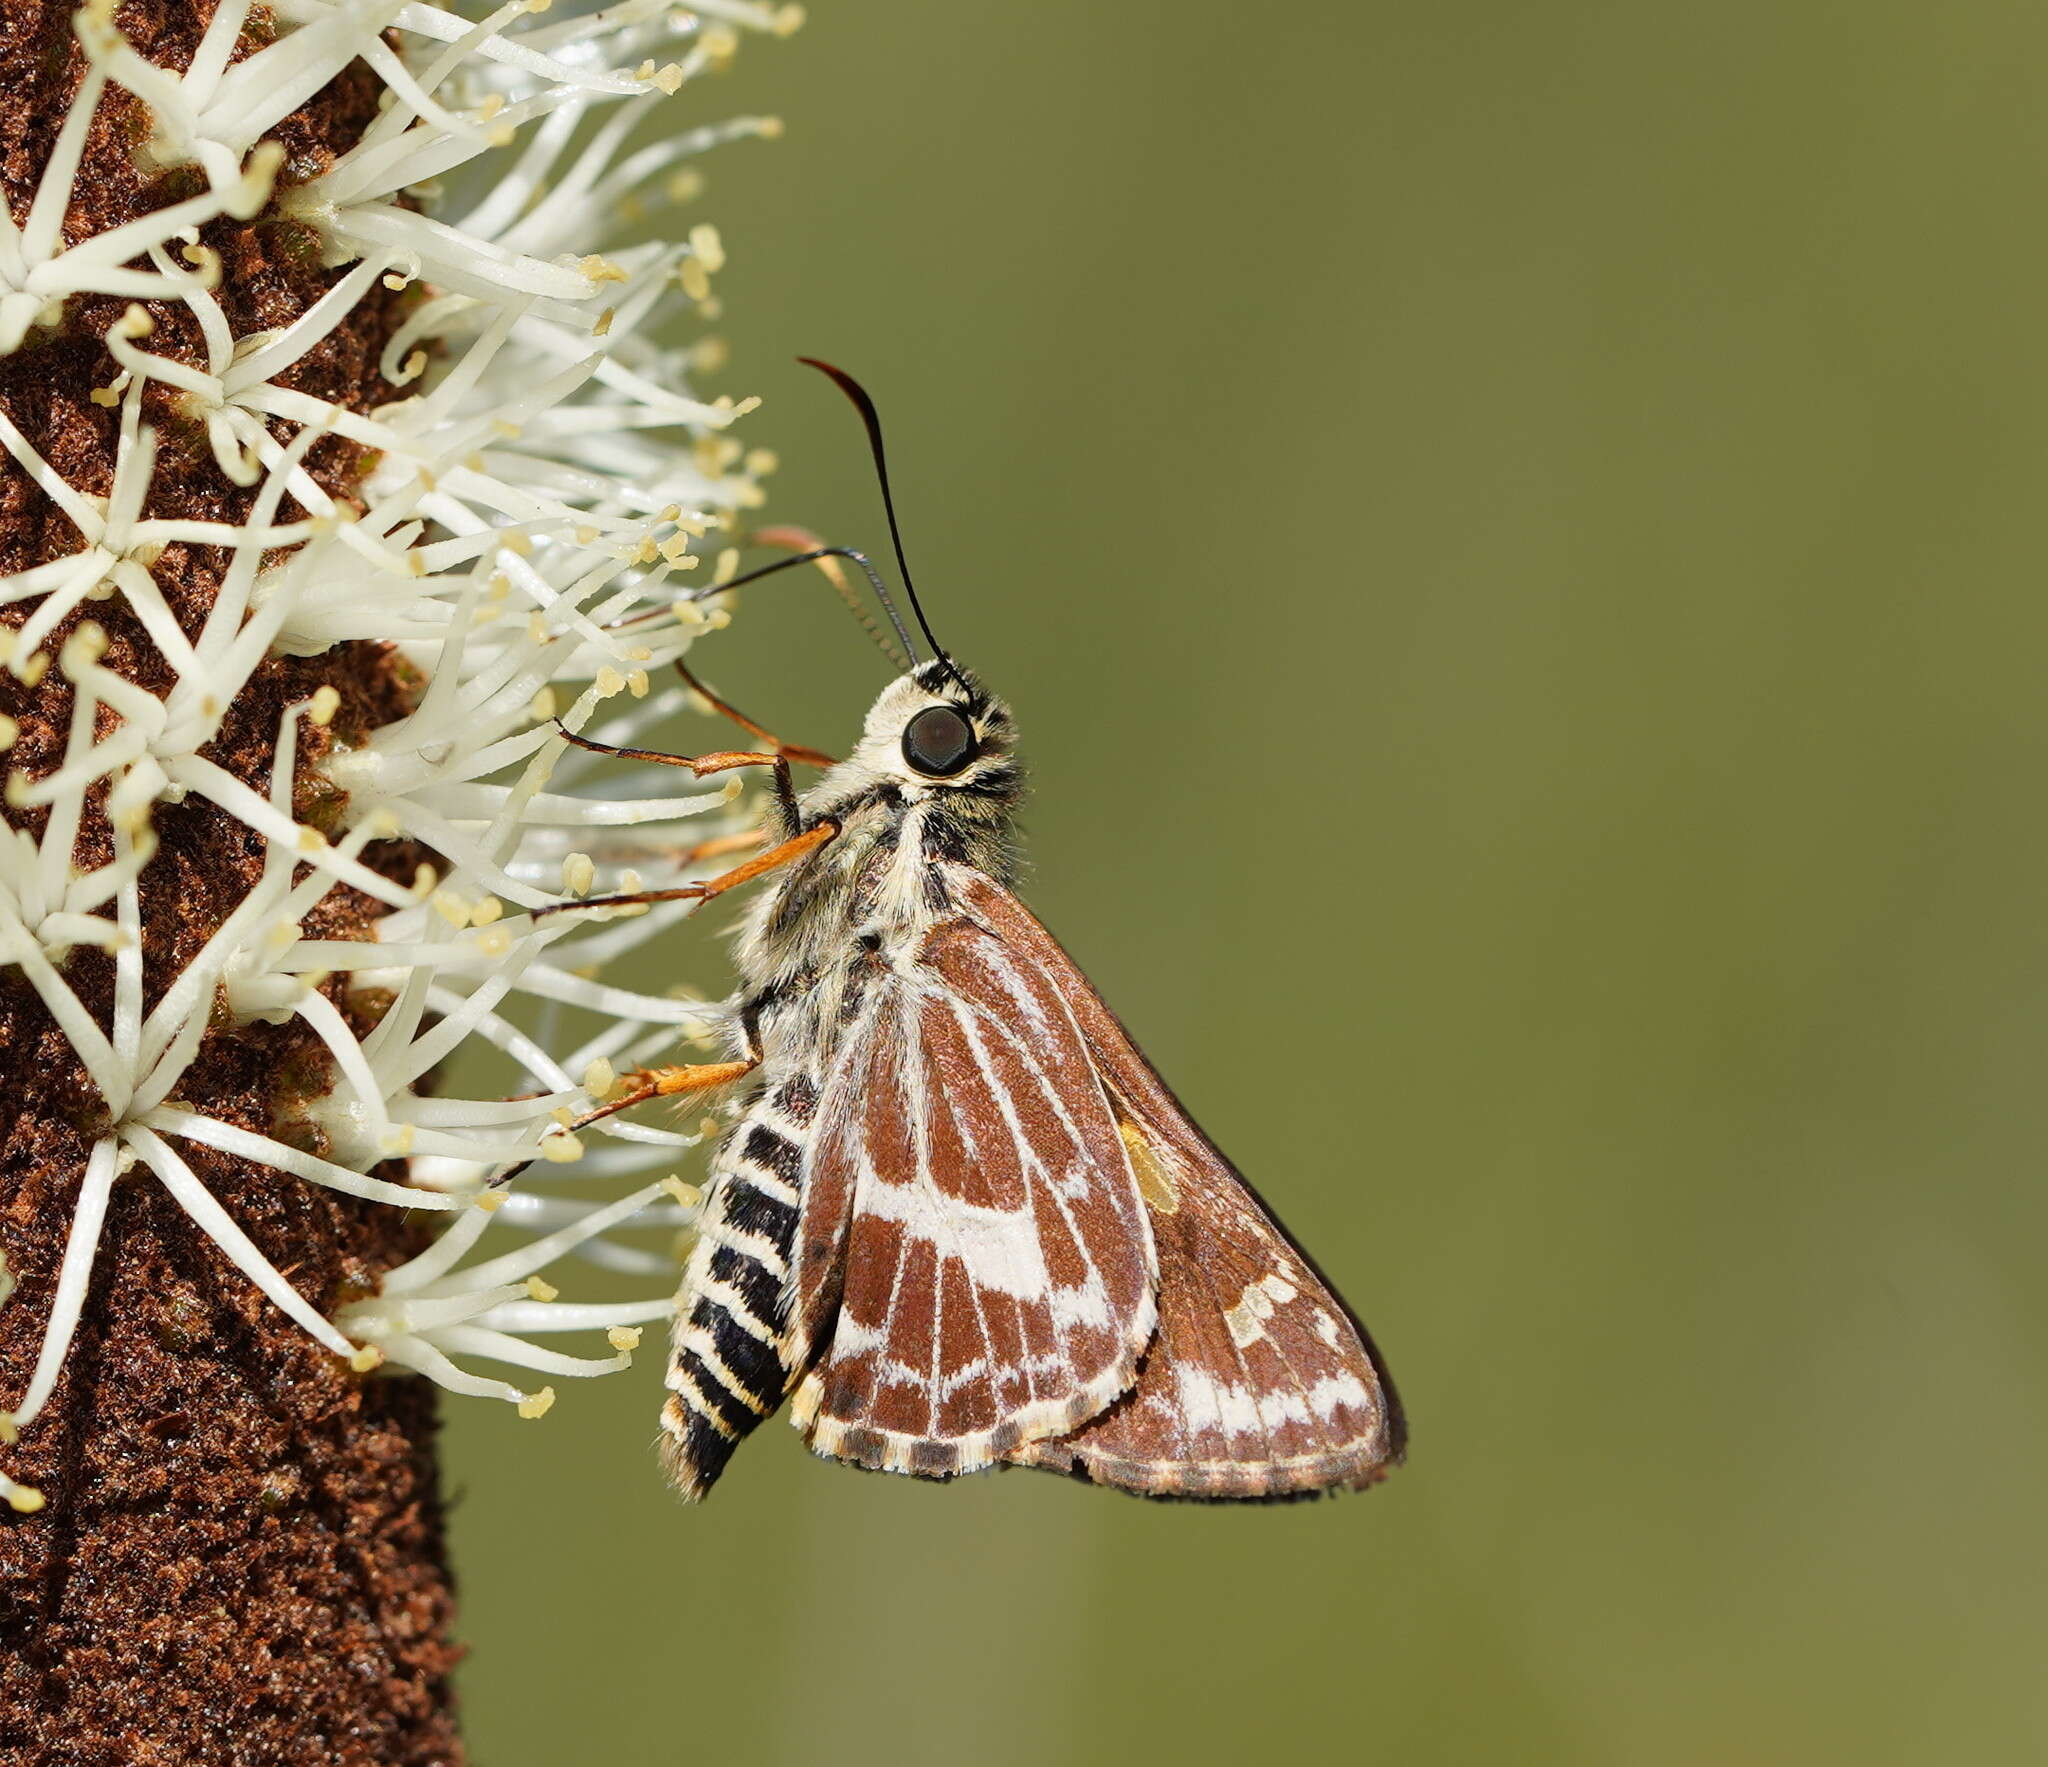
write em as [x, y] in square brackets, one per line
[782, 853]
[667, 1082]
[719, 761]
[645, 1083]
[789, 751]
[720, 845]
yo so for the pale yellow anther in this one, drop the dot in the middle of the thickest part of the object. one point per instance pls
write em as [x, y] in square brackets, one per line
[727, 568]
[586, 536]
[561, 1150]
[763, 461]
[451, 908]
[599, 1078]
[399, 1142]
[486, 911]
[731, 789]
[788, 20]
[311, 840]
[609, 682]
[696, 280]
[579, 874]
[393, 282]
[424, 878]
[82, 649]
[540, 1289]
[769, 128]
[416, 365]
[494, 943]
[320, 709]
[365, 1357]
[669, 78]
[707, 246]
[686, 1194]
[624, 1338]
[685, 185]
[490, 1201]
[637, 683]
[537, 1404]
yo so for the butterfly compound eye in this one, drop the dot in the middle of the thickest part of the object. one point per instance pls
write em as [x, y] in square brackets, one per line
[938, 741]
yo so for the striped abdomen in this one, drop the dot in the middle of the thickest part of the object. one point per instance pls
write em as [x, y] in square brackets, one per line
[725, 1370]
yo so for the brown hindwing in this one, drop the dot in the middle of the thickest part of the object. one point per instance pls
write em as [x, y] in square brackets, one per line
[1261, 1383]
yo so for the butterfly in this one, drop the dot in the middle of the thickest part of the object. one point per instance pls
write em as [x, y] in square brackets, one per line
[959, 1221]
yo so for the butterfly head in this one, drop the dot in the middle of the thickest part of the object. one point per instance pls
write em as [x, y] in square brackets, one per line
[936, 732]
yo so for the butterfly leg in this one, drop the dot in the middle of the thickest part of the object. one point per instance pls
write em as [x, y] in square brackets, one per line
[792, 751]
[668, 1082]
[777, 757]
[782, 853]
[722, 845]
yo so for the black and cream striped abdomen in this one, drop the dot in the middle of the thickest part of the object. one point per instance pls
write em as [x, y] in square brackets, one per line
[726, 1371]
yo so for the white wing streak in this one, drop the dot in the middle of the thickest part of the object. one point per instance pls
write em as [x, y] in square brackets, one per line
[971, 1214]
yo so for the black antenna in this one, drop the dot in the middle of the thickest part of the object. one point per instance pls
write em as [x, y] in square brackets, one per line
[866, 407]
[901, 658]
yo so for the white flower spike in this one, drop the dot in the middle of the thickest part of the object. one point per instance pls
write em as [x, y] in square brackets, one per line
[519, 546]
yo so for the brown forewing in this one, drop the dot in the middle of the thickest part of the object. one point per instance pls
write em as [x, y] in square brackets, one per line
[1260, 1383]
[972, 1241]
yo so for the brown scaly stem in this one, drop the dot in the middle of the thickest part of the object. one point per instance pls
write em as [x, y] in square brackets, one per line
[240, 1555]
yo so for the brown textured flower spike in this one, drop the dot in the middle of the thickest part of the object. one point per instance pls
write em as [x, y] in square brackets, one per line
[338, 459]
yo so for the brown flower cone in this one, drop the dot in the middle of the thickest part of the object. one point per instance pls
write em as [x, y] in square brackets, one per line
[240, 1557]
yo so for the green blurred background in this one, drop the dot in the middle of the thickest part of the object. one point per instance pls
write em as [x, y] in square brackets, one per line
[1513, 534]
